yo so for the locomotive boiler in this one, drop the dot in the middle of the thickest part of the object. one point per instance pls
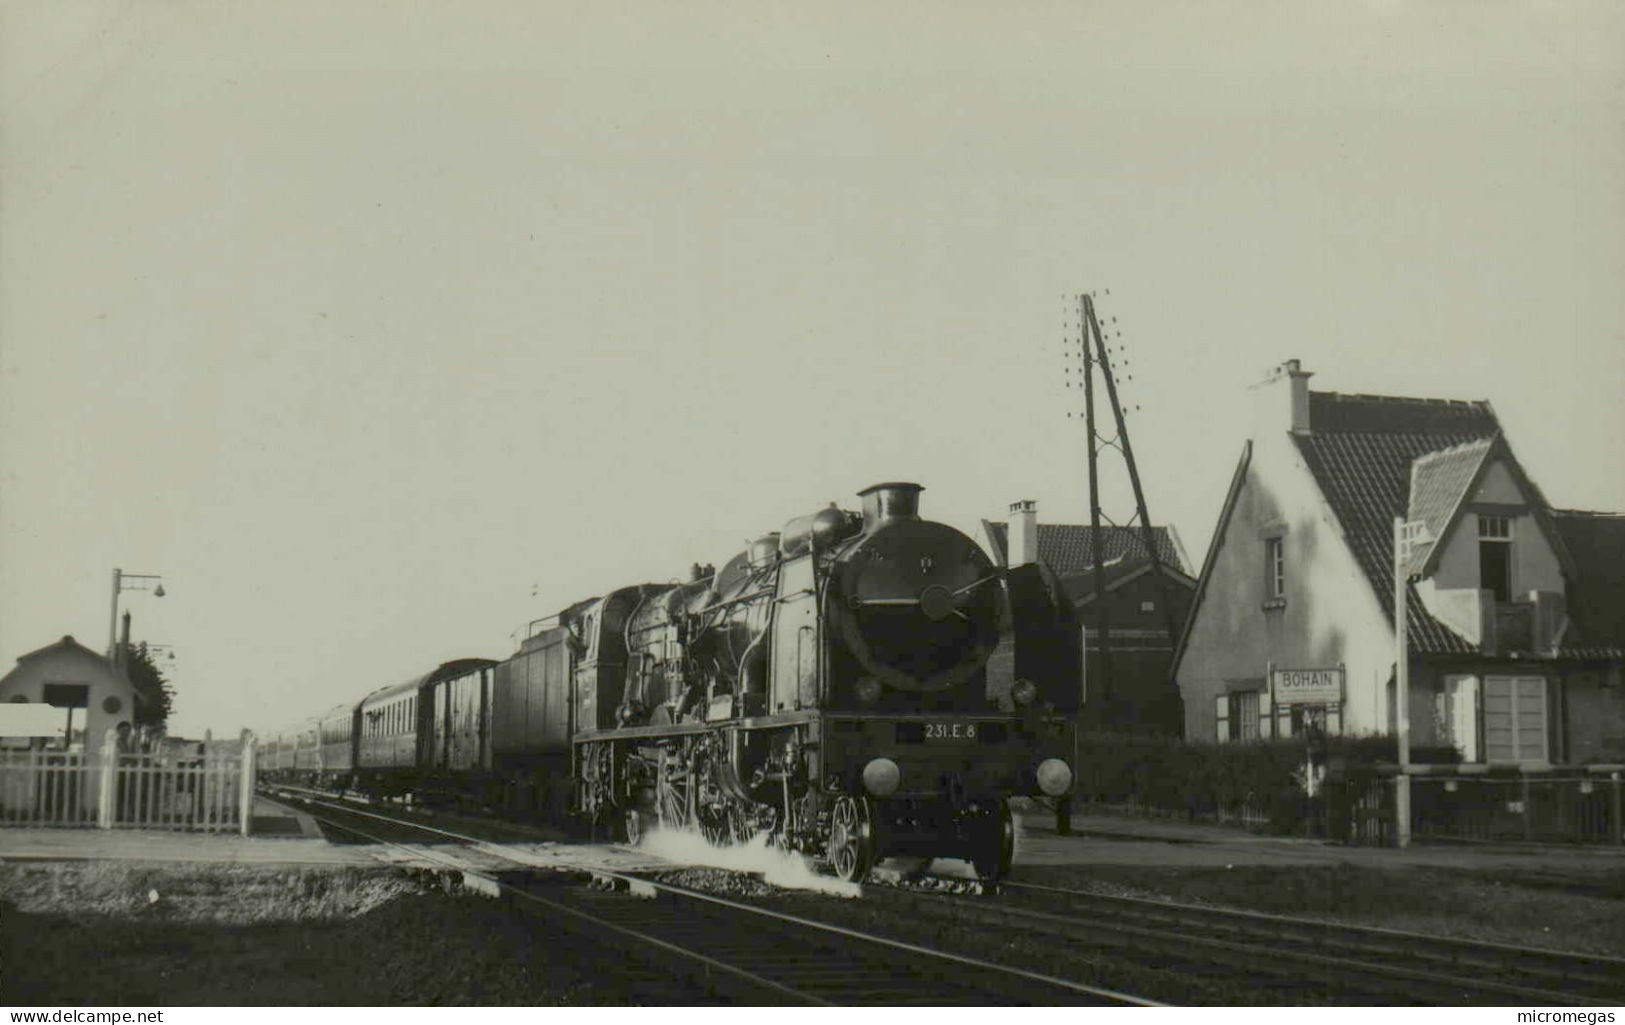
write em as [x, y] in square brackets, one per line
[828, 686]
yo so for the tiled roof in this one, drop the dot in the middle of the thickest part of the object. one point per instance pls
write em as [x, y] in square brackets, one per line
[1360, 449]
[1070, 548]
[1596, 599]
[1438, 481]
[1335, 413]
[1080, 586]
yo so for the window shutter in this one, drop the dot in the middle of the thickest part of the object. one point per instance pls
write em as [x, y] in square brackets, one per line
[1515, 719]
[1221, 715]
[1531, 719]
[1499, 740]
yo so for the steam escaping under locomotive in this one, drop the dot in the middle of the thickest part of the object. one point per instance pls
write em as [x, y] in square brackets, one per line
[828, 686]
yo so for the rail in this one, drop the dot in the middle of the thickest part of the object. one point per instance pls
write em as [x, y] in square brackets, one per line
[806, 961]
[1359, 959]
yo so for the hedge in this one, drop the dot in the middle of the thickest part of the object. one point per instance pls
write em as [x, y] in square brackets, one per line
[1209, 780]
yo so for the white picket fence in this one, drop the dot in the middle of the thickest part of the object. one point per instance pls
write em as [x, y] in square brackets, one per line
[211, 791]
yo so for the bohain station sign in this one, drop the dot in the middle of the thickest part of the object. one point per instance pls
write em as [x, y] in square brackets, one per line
[1307, 686]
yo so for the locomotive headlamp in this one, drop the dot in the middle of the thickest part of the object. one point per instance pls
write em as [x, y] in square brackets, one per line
[881, 777]
[1054, 777]
[868, 690]
[1024, 692]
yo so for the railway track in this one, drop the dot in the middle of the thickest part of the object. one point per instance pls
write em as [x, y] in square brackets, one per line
[731, 950]
[1294, 959]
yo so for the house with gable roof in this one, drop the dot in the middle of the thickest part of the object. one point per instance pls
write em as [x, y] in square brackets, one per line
[1126, 682]
[1515, 610]
[90, 692]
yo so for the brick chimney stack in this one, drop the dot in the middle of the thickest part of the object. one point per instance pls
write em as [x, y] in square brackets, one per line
[1286, 385]
[1023, 537]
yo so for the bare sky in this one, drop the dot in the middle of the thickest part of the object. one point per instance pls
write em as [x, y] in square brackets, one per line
[379, 329]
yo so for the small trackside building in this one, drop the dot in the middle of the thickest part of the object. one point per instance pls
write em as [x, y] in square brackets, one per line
[91, 694]
[1132, 690]
[1515, 610]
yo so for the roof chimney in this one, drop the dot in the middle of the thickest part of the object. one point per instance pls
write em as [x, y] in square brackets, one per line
[1286, 385]
[1021, 548]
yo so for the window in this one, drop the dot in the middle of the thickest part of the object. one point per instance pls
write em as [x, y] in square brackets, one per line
[1515, 719]
[1293, 720]
[1495, 556]
[1244, 707]
[1236, 715]
[67, 695]
[1274, 572]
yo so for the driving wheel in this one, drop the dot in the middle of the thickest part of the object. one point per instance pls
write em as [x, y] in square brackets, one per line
[635, 826]
[851, 839]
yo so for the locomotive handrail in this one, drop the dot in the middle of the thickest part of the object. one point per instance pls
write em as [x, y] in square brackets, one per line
[737, 599]
[857, 602]
[974, 584]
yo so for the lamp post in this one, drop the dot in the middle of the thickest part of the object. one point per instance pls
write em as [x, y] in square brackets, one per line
[1406, 533]
[122, 581]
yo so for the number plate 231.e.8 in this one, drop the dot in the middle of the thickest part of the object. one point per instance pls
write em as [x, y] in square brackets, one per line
[950, 731]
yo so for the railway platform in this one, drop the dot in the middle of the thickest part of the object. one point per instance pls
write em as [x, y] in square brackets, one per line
[280, 836]
[1100, 838]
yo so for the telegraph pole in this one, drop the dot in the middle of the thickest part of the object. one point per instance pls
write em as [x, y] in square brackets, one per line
[1088, 325]
[1096, 359]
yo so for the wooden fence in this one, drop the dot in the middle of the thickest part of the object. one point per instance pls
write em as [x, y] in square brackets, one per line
[211, 790]
[49, 788]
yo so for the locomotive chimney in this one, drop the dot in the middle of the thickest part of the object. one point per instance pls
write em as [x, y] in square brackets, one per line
[1022, 549]
[885, 503]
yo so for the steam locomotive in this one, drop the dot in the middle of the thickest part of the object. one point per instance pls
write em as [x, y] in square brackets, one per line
[828, 686]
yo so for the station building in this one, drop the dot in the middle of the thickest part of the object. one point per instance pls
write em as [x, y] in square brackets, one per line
[1515, 610]
[90, 692]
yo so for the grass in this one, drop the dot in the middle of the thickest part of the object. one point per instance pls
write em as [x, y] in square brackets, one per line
[92, 934]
